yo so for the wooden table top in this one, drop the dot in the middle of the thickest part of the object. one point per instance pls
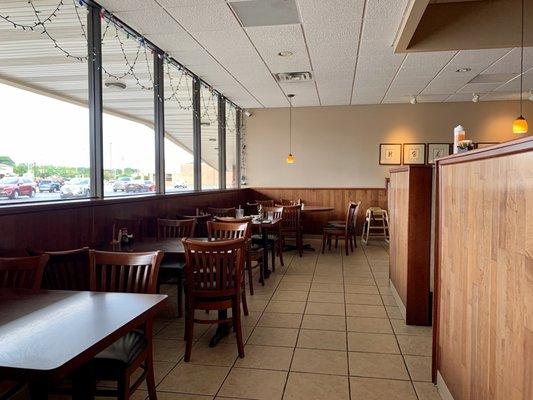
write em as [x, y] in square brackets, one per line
[317, 208]
[54, 332]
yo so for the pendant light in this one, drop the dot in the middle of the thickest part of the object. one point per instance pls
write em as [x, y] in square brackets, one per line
[290, 157]
[520, 124]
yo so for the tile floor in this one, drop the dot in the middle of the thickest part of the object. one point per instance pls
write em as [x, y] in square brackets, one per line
[323, 327]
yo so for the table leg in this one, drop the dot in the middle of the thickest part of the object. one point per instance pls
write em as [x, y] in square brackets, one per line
[223, 329]
[264, 233]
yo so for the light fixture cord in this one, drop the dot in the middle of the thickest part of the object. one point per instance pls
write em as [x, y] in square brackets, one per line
[290, 125]
[522, 61]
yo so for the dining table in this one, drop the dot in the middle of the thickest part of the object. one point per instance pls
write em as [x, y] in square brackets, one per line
[309, 210]
[47, 335]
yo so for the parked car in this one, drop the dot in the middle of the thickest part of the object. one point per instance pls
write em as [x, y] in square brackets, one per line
[150, 186]
[180, 185]
[136, 186]
[47, 185]
[13, 187]
[121, 183]
[76, 187]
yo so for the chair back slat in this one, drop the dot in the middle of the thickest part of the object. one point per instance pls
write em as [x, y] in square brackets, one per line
[214, 269]
[66, 270]
[124, 272]
[22, 272]
[276, 211]
[222, 212]
[175, 228]
[291, 217]
[227, 229]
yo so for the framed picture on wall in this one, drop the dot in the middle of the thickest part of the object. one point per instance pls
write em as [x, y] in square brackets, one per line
[482, 145]
[390, 154]
[438, 150]
[414, 153]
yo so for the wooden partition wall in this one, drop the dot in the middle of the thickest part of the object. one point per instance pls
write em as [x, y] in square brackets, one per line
[337, 198]
[410, 235]
[75, 224]
[483, 339]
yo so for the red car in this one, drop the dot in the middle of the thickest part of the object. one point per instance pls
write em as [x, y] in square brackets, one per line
[13, 187]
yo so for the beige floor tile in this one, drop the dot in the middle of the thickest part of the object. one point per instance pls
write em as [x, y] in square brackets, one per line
[290, 295]
[325, 309]
[320, 361]
[304, 386]
[390, 366]
[388, 300]
[319, 339]
[427, 391]
[394, 312]
[250, 319]
[168, 350]
[401, 328]
[286, 307]
[369, 325]
[326, 297]
[298, 278]
[223, 355]
[328, 279]
[372, 343]
[327, 287]
[266, 357]
[382, 282]
[180, 396]
[194, 379]
[230, 339]
[161, 369]
[365, 310]
[363, 289]
[415, 345]
[286, 285]
[324, 322]
[279, 320]
[256, 305]
[254, 384]
[274, 336]
[359, 298]
[380, 274]
[381, 389]
[419, 368]
[355, 280]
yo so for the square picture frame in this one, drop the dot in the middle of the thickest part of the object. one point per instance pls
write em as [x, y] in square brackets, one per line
[390, 154]
[482, 145]
[438, 150]
[414, 153]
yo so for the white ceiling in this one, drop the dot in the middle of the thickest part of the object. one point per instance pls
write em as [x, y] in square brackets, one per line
[347, 44]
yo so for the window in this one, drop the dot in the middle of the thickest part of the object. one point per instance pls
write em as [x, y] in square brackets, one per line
[128, 120]
[209, 141]
[231, 146]
[44, 151]
[179, 158]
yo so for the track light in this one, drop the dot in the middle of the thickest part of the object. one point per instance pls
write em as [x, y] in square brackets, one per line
[414, 100]
[247, 113]
[475, 98]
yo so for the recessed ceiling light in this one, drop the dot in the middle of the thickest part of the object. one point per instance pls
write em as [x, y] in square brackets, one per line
[465, 69]
[285, 53]
[475, 98]
[414, 100]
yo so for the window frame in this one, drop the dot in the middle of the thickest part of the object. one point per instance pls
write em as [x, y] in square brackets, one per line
[95, 106]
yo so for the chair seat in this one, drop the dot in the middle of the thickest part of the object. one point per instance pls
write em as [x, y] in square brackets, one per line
[271, 237]
[343, 223]
[124, 350]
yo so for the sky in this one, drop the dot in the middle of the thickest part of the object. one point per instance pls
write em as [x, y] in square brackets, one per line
[38, 129]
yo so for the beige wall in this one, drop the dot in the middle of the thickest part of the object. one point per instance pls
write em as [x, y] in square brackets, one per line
[339, 146]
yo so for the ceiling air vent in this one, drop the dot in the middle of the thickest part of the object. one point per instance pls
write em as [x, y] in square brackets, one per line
[293, 77]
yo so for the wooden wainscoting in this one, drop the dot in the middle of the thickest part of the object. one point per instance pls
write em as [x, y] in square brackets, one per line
[68, 225]
[484, 276]
[337, 198]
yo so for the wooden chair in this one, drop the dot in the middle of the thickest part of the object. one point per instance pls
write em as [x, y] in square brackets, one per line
[291, 226]
[126, 273]
[201, 223]
[222, 212]
[254, 252]
[251, 209]
[171, 270]
[345, 231]
[134, 226]
[275, 239]
[66, 270]
[22, 272]
[214, 278]
[342, 224]
[265, 203]
[285, 202]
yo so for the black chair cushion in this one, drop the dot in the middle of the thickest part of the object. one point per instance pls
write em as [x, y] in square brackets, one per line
[172, 265]
[123, 350]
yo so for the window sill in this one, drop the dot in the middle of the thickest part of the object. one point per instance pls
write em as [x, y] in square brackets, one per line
[35, 207]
